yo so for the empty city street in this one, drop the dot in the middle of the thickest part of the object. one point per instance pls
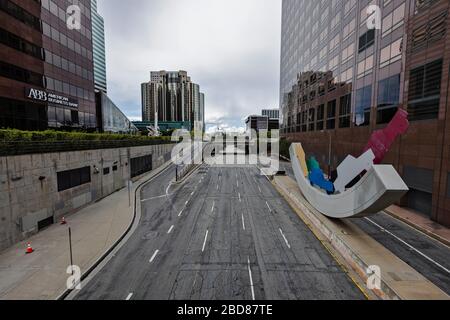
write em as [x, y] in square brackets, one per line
[224, 234]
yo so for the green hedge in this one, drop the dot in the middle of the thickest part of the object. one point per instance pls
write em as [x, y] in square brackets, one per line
[13, 135]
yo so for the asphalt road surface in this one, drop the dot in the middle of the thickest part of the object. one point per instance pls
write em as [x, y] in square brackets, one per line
[428, 256]
[224, 234]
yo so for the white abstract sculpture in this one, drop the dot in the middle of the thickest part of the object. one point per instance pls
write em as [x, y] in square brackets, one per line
[379, 188]
[351, 167]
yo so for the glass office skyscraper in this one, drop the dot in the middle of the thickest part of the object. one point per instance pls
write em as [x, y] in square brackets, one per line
[98, 41]
[341, 80]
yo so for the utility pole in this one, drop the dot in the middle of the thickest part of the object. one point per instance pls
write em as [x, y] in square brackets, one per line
[70, 249]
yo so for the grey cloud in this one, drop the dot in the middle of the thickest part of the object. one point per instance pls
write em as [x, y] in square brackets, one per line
[230, 47]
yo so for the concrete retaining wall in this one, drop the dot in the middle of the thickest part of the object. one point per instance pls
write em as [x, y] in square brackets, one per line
[29, 191]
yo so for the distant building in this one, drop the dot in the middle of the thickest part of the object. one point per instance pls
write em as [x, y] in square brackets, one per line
[174, 97]
[259, 123]
[98, 43]
[110, 118]
[202, 110]
[271, 113]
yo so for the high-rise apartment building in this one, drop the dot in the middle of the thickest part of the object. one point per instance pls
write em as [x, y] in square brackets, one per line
[98, 42]
[174, 97]
[341, 80]
[46, 68]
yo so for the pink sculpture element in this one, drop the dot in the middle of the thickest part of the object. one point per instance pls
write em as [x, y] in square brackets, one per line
[381, 140]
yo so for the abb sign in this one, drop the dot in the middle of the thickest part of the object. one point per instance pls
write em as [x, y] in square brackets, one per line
[51, 98]
[36, 94]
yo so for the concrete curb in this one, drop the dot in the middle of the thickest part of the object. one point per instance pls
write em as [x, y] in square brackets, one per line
[344, 237]
[105, 255]
[419, 227]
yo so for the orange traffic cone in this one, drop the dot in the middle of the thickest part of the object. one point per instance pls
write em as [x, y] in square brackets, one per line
[29, 249]
[63, 221]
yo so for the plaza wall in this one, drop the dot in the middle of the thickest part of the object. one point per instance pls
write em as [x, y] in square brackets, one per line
[29, 195]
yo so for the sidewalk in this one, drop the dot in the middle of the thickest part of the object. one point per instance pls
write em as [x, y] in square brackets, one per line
[95, 229]
[418, 221]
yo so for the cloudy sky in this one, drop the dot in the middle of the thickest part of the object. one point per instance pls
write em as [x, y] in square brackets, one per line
[231, 48]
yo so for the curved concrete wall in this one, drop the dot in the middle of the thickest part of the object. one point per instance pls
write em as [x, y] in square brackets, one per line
[380, 187]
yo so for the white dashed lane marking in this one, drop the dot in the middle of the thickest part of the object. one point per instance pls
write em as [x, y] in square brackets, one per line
[204, 242]
[285, 239]
[154, 256]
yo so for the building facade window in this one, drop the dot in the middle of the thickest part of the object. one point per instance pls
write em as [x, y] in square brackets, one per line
[312, 119]
[11, 40]
[331, 115]
[388, 98]
[424, 91]
[366, 40]
[363, 106]
[365, 67]
[20, 14]
[320, 117]
[391, 53]
[393, 20]
[345, 109]
[430, 32]
[304, 121]
[19, 74]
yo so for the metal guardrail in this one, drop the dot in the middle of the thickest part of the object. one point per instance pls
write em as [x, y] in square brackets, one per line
[13, 148]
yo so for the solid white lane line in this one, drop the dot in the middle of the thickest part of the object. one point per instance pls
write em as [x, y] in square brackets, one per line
[154, 256]
[267, 204]
[408, 245]
[251, 279]
[204, 242]
[243, 222]
[213, 205]
[129, 296]
[285, 240]
[154, 198]
[170, 230]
